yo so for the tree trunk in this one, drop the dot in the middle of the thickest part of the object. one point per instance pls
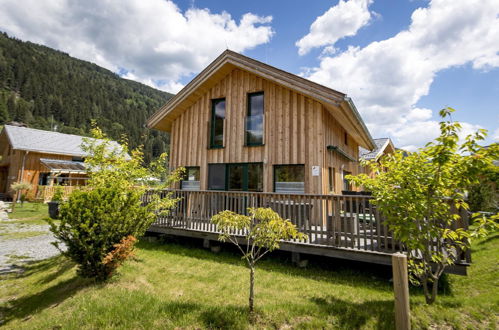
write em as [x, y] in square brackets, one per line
[14, 201]
[430, 296]
[252, 290]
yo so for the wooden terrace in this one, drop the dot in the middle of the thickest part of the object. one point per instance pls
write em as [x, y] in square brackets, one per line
[339, 226]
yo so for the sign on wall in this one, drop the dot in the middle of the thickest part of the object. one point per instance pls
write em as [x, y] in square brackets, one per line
[316, 170]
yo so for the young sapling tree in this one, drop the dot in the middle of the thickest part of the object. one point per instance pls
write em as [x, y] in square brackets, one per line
[261, 231]
[422, 197]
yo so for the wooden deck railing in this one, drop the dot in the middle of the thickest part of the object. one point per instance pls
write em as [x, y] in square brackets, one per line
[45, 193]
[337, 221]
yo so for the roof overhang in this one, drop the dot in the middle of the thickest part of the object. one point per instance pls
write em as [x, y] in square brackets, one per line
[337, 103]
[64, 166]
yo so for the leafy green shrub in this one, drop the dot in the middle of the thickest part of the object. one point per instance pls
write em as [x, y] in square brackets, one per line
[58, 194]
[18, 188]
[92, 222]
[96, 223]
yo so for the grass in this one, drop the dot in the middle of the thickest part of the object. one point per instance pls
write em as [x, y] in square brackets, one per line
[178, 285]
[30, 213]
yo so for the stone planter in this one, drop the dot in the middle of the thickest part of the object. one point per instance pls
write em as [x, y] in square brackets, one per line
[54, 209]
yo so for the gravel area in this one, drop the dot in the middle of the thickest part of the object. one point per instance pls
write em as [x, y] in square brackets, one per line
[16, 252]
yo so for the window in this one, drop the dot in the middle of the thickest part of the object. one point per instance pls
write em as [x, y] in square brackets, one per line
[346, 138]
[331, 174]
[289, 178]
[255, 177]
[236, 177]
[217, 123]
[191, 179]
[43, 179]
[216, 176]
[346, 184]
[254, 120]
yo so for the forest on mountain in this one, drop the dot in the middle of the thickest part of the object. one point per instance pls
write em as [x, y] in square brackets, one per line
[47, 89]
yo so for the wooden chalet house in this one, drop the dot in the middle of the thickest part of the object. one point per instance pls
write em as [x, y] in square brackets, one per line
[42, 158]
[242, 125]
[251, 135]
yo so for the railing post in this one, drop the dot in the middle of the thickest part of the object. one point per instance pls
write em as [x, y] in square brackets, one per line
[401, 292]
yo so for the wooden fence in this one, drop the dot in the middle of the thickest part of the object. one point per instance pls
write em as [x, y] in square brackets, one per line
[45, 193]
[336, 221]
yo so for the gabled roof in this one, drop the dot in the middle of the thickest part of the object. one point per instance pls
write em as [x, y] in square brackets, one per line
[381, 145]
[340, 106]
[48, 142]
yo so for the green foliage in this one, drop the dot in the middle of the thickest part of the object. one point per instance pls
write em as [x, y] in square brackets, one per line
[58, 194]
[417, 193]
[47, 89]
[93, 221]
[262, 230]
[18, 188]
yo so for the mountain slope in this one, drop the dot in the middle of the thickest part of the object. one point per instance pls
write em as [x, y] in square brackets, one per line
[48, 89]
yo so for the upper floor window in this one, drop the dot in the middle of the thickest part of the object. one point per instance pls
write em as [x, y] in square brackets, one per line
[217, 123]
[254, 120]
[190, 180]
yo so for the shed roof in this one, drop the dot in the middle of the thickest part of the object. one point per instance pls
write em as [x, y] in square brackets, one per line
[381, 144]
[336, 102]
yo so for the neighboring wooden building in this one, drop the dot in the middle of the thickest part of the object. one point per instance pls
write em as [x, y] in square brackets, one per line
[242, 125]
[42, 158]
[384, 146]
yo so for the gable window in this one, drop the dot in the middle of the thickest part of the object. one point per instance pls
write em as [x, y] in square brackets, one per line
[217, 123]
[289, 178]
[191, 179]
[254, 120]
[331, 173]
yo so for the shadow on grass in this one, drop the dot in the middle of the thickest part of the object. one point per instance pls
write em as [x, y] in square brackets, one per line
[319, 268]
[26, 305]
[351, 315]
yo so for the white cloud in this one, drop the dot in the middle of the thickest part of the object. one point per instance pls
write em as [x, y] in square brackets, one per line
[342, 20]
[495, 135]
[153, 40]
[387, 78]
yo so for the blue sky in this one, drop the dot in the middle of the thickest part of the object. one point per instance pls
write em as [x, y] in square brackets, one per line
[401, 61]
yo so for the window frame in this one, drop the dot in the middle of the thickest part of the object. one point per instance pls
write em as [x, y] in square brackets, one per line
[212, 144]
[248, 107]
[284, 165]
[331, 179]
[187, 173]
[245, 176]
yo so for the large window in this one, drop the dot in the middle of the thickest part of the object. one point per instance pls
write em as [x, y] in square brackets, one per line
[289, 178]
[236, 177]
[217, 123]
[216, 176]
[190, 180]
[254, 120]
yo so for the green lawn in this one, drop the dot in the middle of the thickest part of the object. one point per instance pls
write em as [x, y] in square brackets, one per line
[30, 213]
[172, 285]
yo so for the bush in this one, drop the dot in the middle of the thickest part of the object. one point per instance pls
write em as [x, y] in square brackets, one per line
[94, 222]
[58, 194]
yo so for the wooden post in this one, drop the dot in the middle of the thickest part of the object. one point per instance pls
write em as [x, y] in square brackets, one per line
[401, 291]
